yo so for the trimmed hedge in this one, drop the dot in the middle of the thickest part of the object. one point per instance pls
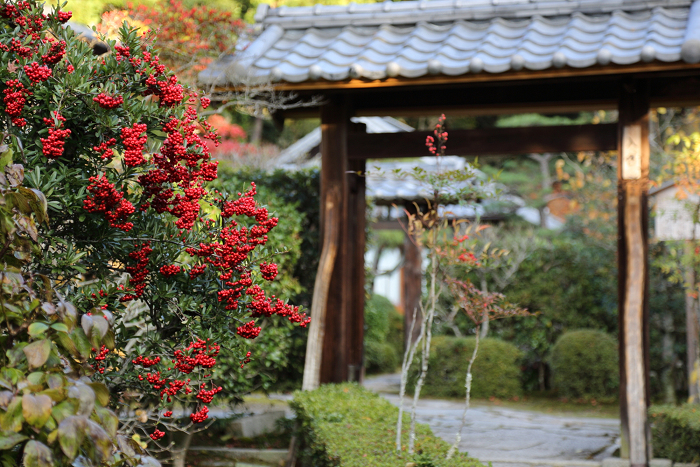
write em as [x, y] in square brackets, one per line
[383, 335]
[675, 432]
[349, 426]
[496, 370]
[585, 364]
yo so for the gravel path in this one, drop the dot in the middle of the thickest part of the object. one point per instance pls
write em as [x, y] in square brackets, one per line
[509, 437]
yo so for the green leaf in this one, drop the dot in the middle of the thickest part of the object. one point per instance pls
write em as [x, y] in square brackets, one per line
[12, 419]
[5, 156]
[100, 439]
[56, 395]
[108, 420]
[101, 392]
[64, 410]
[81, 343]
[85, 396]
[56, 381]
[36, 409]
[59, 327]
[37, 202]
[70, 435]
[36, 378]
[36, 329]
[8, 440]
[37, 353]
[37, 454]
[67, 343]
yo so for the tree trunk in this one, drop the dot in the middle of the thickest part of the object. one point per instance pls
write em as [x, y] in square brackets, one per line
[485, 319]
[256, 137]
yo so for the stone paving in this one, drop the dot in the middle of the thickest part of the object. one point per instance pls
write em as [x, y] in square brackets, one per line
[513, 438]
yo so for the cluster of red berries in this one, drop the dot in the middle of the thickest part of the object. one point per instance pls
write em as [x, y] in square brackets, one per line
[169, 270]
[37, 73]
[138, 272]
[183, 160]
[105, 199]
[206, 396]
[174, 387]
[134, 143]
[249, 330]
[246, 359]
[108, 102]
[268, 271]
[199, 417]
[157, 434]
[15, 99]
[198, 353]
[64, 16]
[263, 306]
[197, 270]
[145, 361]
[52, 147]
[105, 149]
[168, 91]
[100, 357]
[203, 354]
[55, 53]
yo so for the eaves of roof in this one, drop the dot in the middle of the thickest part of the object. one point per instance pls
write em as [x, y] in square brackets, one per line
[455, 39]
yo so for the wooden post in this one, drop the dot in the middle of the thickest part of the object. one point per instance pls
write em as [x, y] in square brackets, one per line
[335, 119]
[411, 285]
[633, 178]
[355, 266]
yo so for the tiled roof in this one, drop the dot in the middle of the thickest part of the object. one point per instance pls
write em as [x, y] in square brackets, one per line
[454, 37]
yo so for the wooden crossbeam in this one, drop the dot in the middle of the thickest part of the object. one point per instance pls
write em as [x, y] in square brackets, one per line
[492, 141]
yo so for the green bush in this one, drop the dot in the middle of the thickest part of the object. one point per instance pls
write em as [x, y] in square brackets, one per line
[585, 364]
[675, 432]
[383, 335]
[380, 357]
[346, 425]
[495, 371]
[377, 310]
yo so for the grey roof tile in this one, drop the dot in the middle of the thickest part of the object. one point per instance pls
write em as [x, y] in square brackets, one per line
[454, 37]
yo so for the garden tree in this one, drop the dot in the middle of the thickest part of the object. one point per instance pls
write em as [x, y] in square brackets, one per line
[159, 267]
[188, 38]
[515, 244]
[681, 127]
[451, 255]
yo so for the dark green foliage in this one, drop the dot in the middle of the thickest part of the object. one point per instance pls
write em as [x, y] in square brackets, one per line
[377, 310]
[585, 364]
[346, 425]
[383, 335]
[380, 357]
[572, 284]
[566, 285]
[675, 432]
[496, 370]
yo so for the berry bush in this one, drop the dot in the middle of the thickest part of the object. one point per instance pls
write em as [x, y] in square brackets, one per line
[166, 273]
